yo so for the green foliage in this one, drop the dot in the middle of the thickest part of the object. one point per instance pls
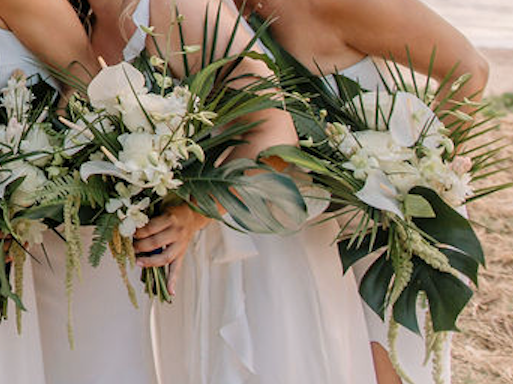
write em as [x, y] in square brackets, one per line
[94, 192]
[251, 201]
[499, 106]
[103, 232]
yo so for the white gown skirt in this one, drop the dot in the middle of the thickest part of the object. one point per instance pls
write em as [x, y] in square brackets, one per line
[263, 309]
[21, 359]
[112, 338]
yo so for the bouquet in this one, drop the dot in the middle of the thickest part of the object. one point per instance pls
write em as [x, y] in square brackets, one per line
[399, 179]
[143, 141]
[27, 144]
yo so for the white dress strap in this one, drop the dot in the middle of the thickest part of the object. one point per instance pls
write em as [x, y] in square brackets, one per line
[137, 43]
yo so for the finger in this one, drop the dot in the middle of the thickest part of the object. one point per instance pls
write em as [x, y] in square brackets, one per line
[174, 273]
[159, 240]
[156, 225]
[166, 257]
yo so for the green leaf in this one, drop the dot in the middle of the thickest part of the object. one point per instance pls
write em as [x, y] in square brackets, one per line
[350, 256]
[447, 296]
[417, 206]
[405, 308]
[257, 203]
[102, 235]
[294, 155]
[374, 285]
[449, 227]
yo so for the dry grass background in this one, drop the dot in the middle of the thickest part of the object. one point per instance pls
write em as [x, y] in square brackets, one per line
[483, 351]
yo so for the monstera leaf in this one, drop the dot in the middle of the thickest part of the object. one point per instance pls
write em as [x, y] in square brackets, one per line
[265, 202]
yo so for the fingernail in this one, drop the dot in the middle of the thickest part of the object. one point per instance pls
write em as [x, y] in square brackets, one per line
[139, 263]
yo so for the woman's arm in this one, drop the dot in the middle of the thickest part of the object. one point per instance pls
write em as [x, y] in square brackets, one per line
[277, 127]
[388, 27]
[176, 227]
[51, 30]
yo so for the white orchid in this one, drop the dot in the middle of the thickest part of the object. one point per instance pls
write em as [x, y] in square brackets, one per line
[361, 163]
[130, 214]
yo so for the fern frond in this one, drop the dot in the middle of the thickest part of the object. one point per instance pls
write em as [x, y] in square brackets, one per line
[103, 233]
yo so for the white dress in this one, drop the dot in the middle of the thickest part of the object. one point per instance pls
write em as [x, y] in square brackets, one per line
[112, 339]
[410, 347]
[263, 309]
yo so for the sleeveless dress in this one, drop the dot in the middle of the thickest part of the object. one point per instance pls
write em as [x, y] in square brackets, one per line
[263, 309]
[410, 347]
[112, 339]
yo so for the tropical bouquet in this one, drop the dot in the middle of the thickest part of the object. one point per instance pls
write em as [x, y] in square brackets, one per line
[143, 140]
[400, 164]
[27, 144]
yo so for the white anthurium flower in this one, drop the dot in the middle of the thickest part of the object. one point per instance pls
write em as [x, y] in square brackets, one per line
[34, 179]
[368, 103]
[379, 193]
[96, 167]
[121, 80]
[37, 141]
[410, 117]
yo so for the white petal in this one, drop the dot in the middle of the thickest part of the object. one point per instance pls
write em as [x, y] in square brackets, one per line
[379, 193]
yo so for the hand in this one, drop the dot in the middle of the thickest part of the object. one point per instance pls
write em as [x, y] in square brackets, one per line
[173, 230]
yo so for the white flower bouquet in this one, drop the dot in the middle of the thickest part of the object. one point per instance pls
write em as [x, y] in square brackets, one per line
[143, 141]
[399, 179]
[27, 144]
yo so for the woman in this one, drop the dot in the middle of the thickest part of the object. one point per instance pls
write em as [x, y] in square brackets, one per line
[325, 35]
[248, 308]
[112, 339]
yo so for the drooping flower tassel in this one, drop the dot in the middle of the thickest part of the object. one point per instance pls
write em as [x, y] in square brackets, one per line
[19, 256]
[123, 250]
[435, 342]
[393, 333]
[73, 254]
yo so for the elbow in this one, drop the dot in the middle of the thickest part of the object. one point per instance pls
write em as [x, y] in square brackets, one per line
[479, 69]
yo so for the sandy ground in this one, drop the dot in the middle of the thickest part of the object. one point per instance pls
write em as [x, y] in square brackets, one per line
[483, 351]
